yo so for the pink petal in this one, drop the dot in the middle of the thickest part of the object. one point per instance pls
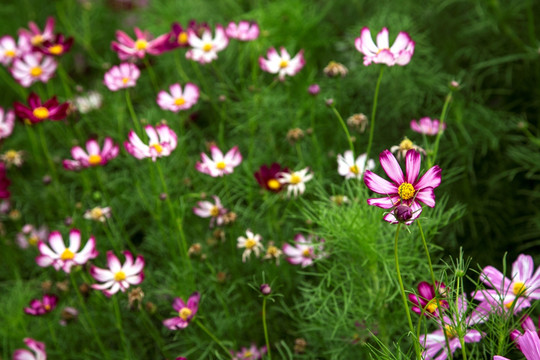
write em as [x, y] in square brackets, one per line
[379, 185]
[432, 178]
[391, 166]
[412, 161]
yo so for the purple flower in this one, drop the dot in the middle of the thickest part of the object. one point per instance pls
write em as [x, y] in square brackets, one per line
[529, 344]
[426, 299]
[38, 111]
[128, 49]
[427, 126]
[314, 89]
[267, 177]
[305, 250]
[186, 312]
[41, 307]
[37, 347]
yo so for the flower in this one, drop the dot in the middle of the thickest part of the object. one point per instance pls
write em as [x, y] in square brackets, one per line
[282, 64]
[267, 177]
[178, 100]
[10, 50]
[93, 156]
[244, 31]
[265, 289]
[12, 157]
[251, 243]
[273, 252]
[527, 324]
[529, 344]
[408, 190]
[399, 54]
[41, 307]
[514, 293]
[35, 35]
[350, 168]
[178, 36]
[56, 46]
[427, 126]
[251, 353]
[162, 141]
[204, 49]
[64, 258]
[426, 300]
[119, 276]
[37, 347]
[334, 69]
[38, 111]
[4, 182]
[186, 312]
[216, 211]
[219, 165]
[68, 314]
[305, 250]
[358, 122]
[7, 122]
[87, 102]
[98, 214]
[129, 49]
[295, 181]
[314, 89]
[404, 146]
[33, 67]
[30, 236]
[122, 76]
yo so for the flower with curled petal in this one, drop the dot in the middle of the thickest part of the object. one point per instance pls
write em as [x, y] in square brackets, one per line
[129, 49]
[427, 126]
[215, 211]
[186, 312]
[118, 276]
[427, 302]
[162, 141]
[244, 31]
[177, 99]
[94, 156]
[281, 63]
[35, 35]
[40, 307]
[122, 76]
[37, 347]
[204, 49]
[408, 190]
[62, 257]
[38, 111]
[219, 165]
[399, 53]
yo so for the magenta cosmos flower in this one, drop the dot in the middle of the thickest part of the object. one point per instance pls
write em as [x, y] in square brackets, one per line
[122, 76]
[427, 126]
[10, 50]
[351, 168]
[57, 46]
[305, 250]
[399, 54]
[4, 182]
[267, 177]
[62, 257]
[40, 307]
[127, 48]
[204, 49]
[7, 122]
[37, 347]
[527, 324]
[244, 31]
[93, 156]
[215, 211]
[529, 344]
[30, 236]
[162, 141]
[516, 292]
[118, 276]
[426, 300]
[186, 312]
[38, 111]
[178, 36]
[33, 67]
[251, 353]
[35, 35]
[281, 63]
[177, 99]
[406, 190]
[219, 165]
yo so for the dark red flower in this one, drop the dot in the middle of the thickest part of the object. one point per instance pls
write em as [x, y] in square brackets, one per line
[37, 112]
[427, 299]
[57, 46]
[267, 177]
[4, 182]
[41, 307]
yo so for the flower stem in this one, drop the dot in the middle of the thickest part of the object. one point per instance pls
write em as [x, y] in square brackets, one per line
[119, 326]
[136, 122]
[266, 328]
[151, 72]
[373, 113]
[404, 297]
[442, 120]
[216, 340]
[344, 126]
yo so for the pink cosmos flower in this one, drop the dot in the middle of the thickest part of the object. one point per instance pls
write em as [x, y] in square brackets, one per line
[251, 243]
[215, 211]
[129, 49]
[162, 141]
[251, 353]
[219, 165]
[94, 156]
[186, 312]
[517, 292]
[426, 300]
[37, 347]
[350, 168]
[33, 67]
[409, 190]
[35, 35]
[7, 122]
[122, 76]
[41, 307]
[204, 49]
[118, 276]
[177, 100]
[98, 214]
[399, 54]
[244, 31]
[38, 111]
[10, 50]
[62, 257]
[427, 126]
[295, 181]
[305, 250]
[282, 64]
[30, 236]
[529, 344]
[527, 324]
[4, 184]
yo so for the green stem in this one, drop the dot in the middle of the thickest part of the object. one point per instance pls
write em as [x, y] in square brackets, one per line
[345, 128]
[373, 113]
[444, 113]
[66, 80]
[266, 328]
[136, 122]
[216, 340]
[119, 326]
[153, 78]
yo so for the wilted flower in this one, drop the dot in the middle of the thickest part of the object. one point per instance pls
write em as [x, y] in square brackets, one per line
[214, 211]
[272, 252]
[294, 135]
[94, 156]
[162, 141]
[68, 314]
[118, 276]
[33, 67]
[334, 69]
[186, 312]
[12, 157]
[56, 46]
[244, 31]
[35, 35]
[295, 181]
[41, 307]
[304, 251]
[129, 49]
[62, 257]
[10, 50]
[399, 54]
[427, 126]
[122, 76]
[251, 353]
[30, 236]
[219, 165]
[426, 301]
[98, 214]
[87, 102]
[204, 49]
[267, 177]
[37, 347]
[251, 243]
[135, 296]
[282, 64]
[7, 122]
[404, 146]
[350, 168]
[37, 111]
[177, 100]
[300, 345]
[358, 122]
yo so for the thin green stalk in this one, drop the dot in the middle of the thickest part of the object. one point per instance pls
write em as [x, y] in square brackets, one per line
[120, 328]
[136, 122]
[266, 328]
[216, 340]
[373, 113]
[179, 67]
[460, 333]
[46, 152]
[66, 80]
[345, 128]
[404, 297]
[444, 113]
[153, 78]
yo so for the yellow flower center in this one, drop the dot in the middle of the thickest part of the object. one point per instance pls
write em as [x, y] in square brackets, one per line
[283, 64]
[120, 276]
[56, 49]
[295, 179]
[96, 213]
[247, 354]
[179, 101]
[9, 53]
[406, 191]
[406, 144]
[432, 305]
[67, 255]
[273, 184]
[250, 243]
[207, 47]
[450, 331]
[184, 313]
[141, 44]
[214, 211]
[32, 240]
[508, 305]
[125, 80]
[158, 148]
[519, 288]
[272, 250]
[94, 160]
[306, 253]
[47, 307]
[182, 38]
[37, 40]
[36, 71]
[11, 155]
[41, 112]
[354, 169]
[221, 165]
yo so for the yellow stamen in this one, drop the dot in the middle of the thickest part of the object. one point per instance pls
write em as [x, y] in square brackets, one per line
[158, 148]
[120, 276]
[247, 354]
[214, 211]
[36, 71]
[207, 47]
[96, 213]
[125, 80]
[283, 64]
[250, 243]
[185, 313]
[519, 288]
[272, 250]
[67, 255]
[354, 169]
[295, 179]
[450, 331]
[37, 40]
[182, 38]
[432, 305]
[406, 191]
[306, 253]
[406, 144]
[221, 165]
[94, 160]
[47, 307]
[179, 101]
[141, 44]
[273, 184]
[56, 49]
[41, 112]
[11, 155]
[9, 53]
[33, 240]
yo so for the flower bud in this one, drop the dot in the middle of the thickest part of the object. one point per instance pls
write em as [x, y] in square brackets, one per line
[314, 89]
[403, 213]
[265, 289]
